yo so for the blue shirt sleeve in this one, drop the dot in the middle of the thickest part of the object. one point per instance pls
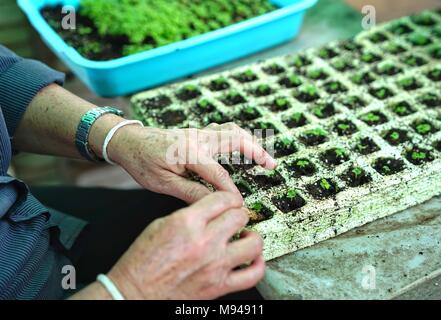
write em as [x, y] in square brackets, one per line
[30, 262]
[20, 80]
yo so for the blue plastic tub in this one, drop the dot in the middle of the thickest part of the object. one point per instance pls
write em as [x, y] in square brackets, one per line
[157, 66]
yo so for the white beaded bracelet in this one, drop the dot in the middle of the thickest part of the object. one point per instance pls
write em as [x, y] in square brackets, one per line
[110, 287]
[112, 133]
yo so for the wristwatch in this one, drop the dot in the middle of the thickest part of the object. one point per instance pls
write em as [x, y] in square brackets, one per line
[83, 130]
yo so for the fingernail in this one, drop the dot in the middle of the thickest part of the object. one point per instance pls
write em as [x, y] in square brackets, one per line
[271, 162]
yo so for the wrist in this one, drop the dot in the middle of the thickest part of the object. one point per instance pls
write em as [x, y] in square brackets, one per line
[124, 143]
[124, 285]
[99, 131]
[94, 291]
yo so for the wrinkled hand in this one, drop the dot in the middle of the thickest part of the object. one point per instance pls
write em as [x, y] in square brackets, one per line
[188, 254]
[152, 158]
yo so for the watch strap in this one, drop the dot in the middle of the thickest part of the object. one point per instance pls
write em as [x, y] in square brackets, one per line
[84, 127]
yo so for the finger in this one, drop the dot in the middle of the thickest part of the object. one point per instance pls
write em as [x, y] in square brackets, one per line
[239, 140]
[215, 204]
[245, 250]
[231, 127]
[228, 224]
[213, 173]
[248, 277]
[186, 190]
[258, 154]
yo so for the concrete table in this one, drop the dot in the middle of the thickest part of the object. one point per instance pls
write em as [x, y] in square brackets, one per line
[398, 257]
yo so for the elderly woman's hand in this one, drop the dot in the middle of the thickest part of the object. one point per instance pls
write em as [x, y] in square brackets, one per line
[189, 254]
[160, 160]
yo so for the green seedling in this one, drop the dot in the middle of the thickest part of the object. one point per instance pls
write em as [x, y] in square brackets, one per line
[400, 28]
[340, 152]
[411, 61]
[296, 116]
[271, 173]
[378, 37]
[233, 94]
[401, 109]
[357, 78]
[286, 141]
[274, 68]
[325, 184]
[418, 155]
[368, 57]
[394, 48]
[334, 86]
[352, 101]
[423, 128]
[249, 110]
[409, 83]
[204, 104]
[316, 132]
[189, 88]
[310, 90]
[435, 74]
[315, 74]
[340, 64]
[217, 117]
[91, 47]
[294, 80]
[299, 61]
[357, 171]
[380, 93]
[291, 194]
[343, 126]
[249, 73]
[351, 45]
[371, 117]
[281, 102]
[257, 207]
[361, 146]
[84, 30]
[386, 169]
[419, 39]
[428, 98]
[437, 31]
[220, 81]
[150, 24]
[325, 53]
[302, 163]
[386, 68]
[395, 135]
[263, 88]
[318, 110]
[406, 82]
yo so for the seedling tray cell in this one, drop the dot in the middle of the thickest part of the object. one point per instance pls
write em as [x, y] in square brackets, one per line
[161, 65]
[357, 154]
